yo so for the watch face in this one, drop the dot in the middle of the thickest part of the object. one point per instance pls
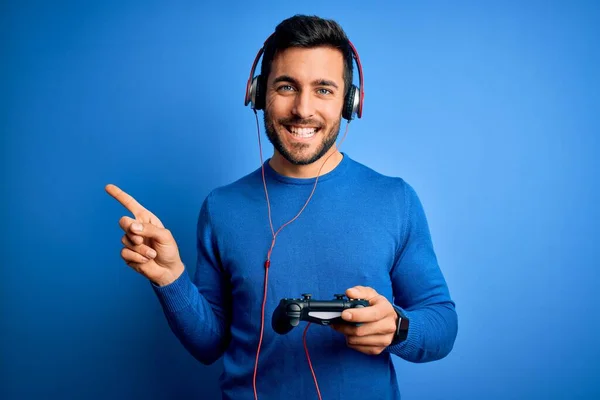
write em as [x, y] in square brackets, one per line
[402, 328]
[403, 324]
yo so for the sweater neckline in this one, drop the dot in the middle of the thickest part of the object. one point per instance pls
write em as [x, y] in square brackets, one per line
[338, 170]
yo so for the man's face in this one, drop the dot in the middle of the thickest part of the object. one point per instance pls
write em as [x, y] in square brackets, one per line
[304, 99]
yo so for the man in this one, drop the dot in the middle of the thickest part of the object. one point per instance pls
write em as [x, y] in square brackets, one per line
[351, 230]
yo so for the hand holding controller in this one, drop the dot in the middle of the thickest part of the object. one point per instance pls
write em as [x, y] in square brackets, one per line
[290, 312]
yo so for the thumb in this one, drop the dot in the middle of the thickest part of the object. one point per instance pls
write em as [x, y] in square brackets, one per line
[147, 230]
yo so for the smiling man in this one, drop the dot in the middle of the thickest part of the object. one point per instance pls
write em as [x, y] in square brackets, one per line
[310, 219]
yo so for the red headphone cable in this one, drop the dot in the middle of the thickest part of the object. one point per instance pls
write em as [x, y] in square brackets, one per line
[268, 260]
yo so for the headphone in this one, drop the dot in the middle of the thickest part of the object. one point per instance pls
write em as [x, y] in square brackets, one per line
[353, 101]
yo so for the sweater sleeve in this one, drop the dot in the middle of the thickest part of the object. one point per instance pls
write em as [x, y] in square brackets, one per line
[198, 309]
[420, 290]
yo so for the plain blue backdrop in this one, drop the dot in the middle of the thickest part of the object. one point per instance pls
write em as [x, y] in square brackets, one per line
[490, 110]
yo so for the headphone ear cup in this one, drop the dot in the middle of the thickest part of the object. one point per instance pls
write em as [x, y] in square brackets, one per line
[255, 94]
[259, 95]
[350, 106]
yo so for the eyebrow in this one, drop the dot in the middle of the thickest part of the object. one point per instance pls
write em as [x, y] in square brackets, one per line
[317, 82]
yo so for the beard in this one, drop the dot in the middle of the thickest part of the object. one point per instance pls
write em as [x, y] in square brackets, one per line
[295, 154]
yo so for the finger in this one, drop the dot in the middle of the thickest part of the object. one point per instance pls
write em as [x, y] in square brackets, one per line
[125, 224]
[144, 250]
[341, 328]
[377, 311]
[371, 340]
[345, 330]
[131, 256]
[126, 240]
[146, 230]
[369, 350]
[125, 199]
[361, 292]
[135, 239]
[384, 327]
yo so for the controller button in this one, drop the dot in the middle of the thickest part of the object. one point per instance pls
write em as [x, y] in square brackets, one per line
[306, 296]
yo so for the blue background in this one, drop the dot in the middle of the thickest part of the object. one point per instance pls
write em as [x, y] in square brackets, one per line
[490, 110]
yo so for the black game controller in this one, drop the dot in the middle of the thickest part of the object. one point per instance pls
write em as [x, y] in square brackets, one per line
[290, 312]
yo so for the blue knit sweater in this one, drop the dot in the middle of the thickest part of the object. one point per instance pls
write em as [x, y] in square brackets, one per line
[360, 228]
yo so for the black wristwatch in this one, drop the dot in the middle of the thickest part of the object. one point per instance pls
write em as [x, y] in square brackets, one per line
[401, 328]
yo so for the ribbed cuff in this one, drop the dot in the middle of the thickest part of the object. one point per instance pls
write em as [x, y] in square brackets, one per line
[412, 343]
[177, 295]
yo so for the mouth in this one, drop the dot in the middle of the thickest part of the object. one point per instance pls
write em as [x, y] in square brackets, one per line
[302, 132]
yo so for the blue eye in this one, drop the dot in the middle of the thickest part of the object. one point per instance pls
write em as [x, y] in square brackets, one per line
[324, 91]
[286, 88]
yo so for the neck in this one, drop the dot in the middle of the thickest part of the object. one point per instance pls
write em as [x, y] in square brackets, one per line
[286, 168]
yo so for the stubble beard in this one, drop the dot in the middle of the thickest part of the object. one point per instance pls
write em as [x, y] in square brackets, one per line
[295, 154]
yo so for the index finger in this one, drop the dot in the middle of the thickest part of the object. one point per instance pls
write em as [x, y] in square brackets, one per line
[374, 312]
[125, 199]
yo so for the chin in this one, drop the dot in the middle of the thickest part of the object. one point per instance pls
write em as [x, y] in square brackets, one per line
[304, 157]
[307, 160]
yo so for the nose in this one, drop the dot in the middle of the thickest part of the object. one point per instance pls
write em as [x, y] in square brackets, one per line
[303, 105]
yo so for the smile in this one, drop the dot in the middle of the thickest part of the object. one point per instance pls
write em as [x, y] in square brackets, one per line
[302, 132]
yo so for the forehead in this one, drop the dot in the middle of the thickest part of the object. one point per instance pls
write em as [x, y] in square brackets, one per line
[309, 64]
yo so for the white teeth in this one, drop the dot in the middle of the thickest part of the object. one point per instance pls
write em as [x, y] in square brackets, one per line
[303, 132]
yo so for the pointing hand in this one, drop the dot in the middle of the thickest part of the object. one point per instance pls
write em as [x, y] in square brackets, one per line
[150, 249]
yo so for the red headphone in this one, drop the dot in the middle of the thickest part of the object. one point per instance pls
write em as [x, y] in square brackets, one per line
[353, 101]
